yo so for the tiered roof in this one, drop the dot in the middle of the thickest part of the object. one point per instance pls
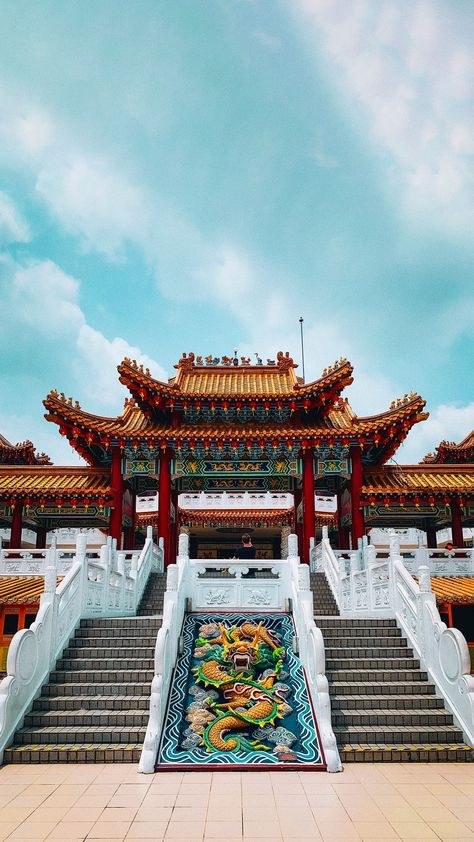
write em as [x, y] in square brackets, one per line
[448, 452]
[458, 590]
[51, 483]
[231, 410]
[22, 590]
[417, 483]
[22, 453]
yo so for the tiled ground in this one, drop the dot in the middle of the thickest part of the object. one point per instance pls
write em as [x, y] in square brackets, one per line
[373, 802]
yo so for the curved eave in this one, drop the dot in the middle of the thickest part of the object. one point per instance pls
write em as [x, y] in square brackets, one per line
[451, 453]
[426, 482]
[34, 483]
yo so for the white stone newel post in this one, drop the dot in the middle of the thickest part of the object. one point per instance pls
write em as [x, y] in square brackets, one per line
[370, 561]
[292, 546]
[149, 533]
[324, 533]
[81, 549]
[183, 545]
[50, 572]
[425, 594]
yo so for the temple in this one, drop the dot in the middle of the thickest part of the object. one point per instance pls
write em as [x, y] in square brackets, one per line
[228, 445]
[133, 629]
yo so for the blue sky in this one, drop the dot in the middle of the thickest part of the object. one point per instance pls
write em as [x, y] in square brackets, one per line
[197, 175]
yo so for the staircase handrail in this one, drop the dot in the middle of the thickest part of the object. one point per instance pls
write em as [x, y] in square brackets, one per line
[96, 585]
[33, 652]
[442, 652]
[312, 654]
[166, 650]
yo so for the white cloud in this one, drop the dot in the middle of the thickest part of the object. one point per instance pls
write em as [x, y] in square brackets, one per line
[46, 329]
[411, 69]
[96, 367]
[91, 198]
[13, 228]
[446, 422]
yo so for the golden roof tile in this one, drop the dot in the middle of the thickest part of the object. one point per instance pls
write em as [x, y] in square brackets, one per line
[22, 590]
[53, 481]
[458, 589]
[419, 479]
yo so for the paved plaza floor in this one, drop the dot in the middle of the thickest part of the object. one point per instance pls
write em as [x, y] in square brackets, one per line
[373, 802]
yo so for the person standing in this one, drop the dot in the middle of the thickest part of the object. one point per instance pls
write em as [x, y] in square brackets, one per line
[246, 550]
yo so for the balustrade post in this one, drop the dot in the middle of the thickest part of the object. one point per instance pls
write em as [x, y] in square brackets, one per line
[81, 557]
[370, 561]
[292, 545]
[425, 594]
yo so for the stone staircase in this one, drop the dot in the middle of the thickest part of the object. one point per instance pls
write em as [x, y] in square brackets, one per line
[383, 706]
[95, 706]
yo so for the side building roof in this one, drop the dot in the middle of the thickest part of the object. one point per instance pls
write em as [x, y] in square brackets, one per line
[448, 452]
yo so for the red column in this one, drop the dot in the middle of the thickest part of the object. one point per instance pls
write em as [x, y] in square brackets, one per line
[456, 523]
[164, 490]
[116, 482]
[17, 523]
[358, 527]
[308, 502]
[41, 534]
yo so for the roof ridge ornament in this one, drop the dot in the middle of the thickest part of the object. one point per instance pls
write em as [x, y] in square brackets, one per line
[186, 363]
[284, 361]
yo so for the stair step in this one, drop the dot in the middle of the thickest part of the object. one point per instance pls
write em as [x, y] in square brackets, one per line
[390, 687]
[96, 702]
[388, 633]
[378, 702]
[373, 676]
[381, 642]
[374, 734]
[96, 689]
[79, 664]
[369, 652]
[104, 633]
[357, 663]
[406, 753]
[117, 642]
[118, 623]
[78, 753]
[86, 718]
[362, 623]
[78, 734]
[387, 717]
[93, 652]
[126, 676]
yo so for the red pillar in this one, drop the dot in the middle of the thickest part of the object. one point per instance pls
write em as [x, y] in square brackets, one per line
[164, 490]
[17, 523]
[308, 502]
[41, 534]
[116, 482]
[358, 527]
[456, 523]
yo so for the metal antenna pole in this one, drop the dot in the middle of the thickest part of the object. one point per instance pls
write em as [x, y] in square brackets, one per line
[302, 344]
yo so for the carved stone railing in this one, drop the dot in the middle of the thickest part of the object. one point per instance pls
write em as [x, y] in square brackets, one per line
[441, 562]
[96, 585]
[365, 585]
[247, 586]
[312, 653]
[236, 500]
[33, 562]
[443, 652]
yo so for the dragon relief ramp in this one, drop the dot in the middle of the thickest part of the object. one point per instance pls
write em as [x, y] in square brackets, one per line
[239, 697]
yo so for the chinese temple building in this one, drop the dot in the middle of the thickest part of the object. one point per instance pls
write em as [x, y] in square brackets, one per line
[226, 426]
